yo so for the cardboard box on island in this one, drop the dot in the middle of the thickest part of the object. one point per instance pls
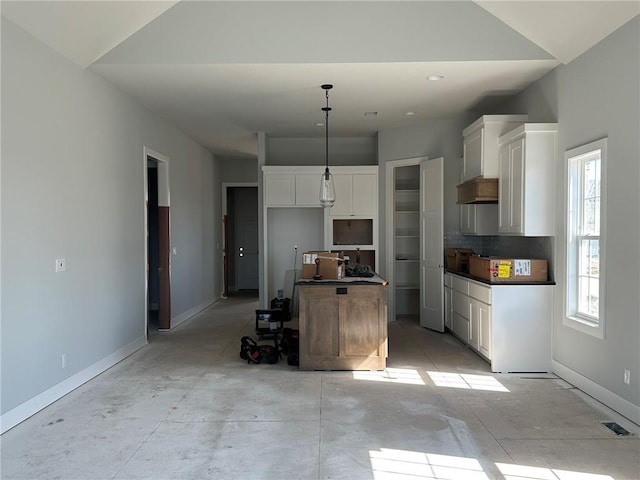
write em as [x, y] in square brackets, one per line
[503, 270]
[331, 265]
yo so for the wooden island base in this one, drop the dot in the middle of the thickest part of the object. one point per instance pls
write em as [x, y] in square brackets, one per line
[343, 326]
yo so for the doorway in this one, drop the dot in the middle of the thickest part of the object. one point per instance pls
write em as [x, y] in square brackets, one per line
[240, 214]
[157, 247]
[414, 241]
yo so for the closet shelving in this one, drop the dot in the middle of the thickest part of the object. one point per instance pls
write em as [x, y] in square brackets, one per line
[407, 239]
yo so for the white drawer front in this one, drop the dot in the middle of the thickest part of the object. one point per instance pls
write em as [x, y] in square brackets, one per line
[480, 292]
[460, 284]
[461, 327]
[460, 303]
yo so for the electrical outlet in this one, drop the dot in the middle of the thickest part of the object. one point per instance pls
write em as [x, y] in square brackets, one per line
[61, 264]
[64, 360]
[627, 376]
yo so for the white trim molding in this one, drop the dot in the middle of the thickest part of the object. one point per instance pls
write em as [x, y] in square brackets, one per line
[32, 406]
[183, 317]
[613, 401]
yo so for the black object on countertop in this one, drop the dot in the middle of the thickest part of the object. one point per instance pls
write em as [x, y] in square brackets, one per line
[358, 270]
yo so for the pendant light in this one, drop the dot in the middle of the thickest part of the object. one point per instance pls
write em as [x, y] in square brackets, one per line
[327, 189]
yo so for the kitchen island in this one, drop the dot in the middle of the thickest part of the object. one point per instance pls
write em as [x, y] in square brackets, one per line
[343, 324]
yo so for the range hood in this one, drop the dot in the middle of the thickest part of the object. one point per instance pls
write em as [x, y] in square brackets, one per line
[478, 190]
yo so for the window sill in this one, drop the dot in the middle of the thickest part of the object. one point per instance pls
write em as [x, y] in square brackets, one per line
[585, 326]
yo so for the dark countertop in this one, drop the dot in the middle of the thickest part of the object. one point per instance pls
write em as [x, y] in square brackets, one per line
[375, 280]
[496, 284]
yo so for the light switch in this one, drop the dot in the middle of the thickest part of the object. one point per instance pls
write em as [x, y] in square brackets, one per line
[174, 250]
[61, 264]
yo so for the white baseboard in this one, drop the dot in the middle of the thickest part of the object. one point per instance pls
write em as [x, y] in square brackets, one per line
[20, 413]
[175, 321]
[608, 398]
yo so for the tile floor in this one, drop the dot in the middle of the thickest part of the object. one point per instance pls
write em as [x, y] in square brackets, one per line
[187, 407]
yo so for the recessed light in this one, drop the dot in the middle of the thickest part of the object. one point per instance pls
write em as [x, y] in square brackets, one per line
[370, 114]
[319, 124]
[410, 114]
[435, 78]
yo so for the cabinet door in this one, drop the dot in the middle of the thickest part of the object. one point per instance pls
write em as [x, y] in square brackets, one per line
[448, 312]
[504, 188]
[320, 328]
[361, 336]
[308, 190]
[473, 153]
[516, 158]
[343, 188]
[280, 190]
[484, 339]
[466, 219]
[460, 327]
[364, 195]
[474, 324]
[511, 187]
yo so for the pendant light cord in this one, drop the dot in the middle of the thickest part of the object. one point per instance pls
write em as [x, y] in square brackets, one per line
[326, 109]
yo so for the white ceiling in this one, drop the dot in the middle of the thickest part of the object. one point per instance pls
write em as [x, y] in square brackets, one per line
[223, 71]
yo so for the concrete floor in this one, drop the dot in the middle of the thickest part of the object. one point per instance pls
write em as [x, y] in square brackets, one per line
[187, 407]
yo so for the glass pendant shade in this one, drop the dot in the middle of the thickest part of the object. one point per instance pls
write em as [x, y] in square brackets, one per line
[327, 190]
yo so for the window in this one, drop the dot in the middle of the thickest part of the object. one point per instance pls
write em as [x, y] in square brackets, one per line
[585, 241]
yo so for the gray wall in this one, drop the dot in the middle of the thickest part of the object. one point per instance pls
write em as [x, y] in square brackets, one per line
[239, 170]
[73, 187]
[597, 96]
[434, 139]
[311, 151]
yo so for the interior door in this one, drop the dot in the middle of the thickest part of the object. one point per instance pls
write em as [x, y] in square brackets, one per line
[246, 238]
[248, 256]
[432, 244]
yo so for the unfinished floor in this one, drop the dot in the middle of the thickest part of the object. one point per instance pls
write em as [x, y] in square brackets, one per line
[187, 407]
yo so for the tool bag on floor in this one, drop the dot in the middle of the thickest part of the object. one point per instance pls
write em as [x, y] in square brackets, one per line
[289, 341]
[254, 353]
[290, 345]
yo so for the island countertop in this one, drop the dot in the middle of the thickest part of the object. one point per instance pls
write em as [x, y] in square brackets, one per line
[375, 280]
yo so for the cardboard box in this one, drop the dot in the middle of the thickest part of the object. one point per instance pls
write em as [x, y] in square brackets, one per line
[457, 259]
[508, 270]
[331, 265]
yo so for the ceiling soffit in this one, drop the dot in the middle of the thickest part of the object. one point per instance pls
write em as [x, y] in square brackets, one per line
[323, 32]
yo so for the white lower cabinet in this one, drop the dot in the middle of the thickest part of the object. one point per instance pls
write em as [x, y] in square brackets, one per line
[484, 337]
[508, 325]
[460, 326]
[448, 309]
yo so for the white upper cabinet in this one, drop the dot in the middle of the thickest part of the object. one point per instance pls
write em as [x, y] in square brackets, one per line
[480, 144]
[308, 190]
[356, 195]
[479, 219]
[280, 189]
[526, 181]
[292, 186]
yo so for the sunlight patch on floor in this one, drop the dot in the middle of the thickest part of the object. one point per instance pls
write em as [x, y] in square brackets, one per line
[467, 381]
[391, 375]
[388, 464]
[391, 464]
[523, 472]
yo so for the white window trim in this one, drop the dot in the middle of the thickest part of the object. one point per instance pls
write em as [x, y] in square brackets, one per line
[594, 327]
